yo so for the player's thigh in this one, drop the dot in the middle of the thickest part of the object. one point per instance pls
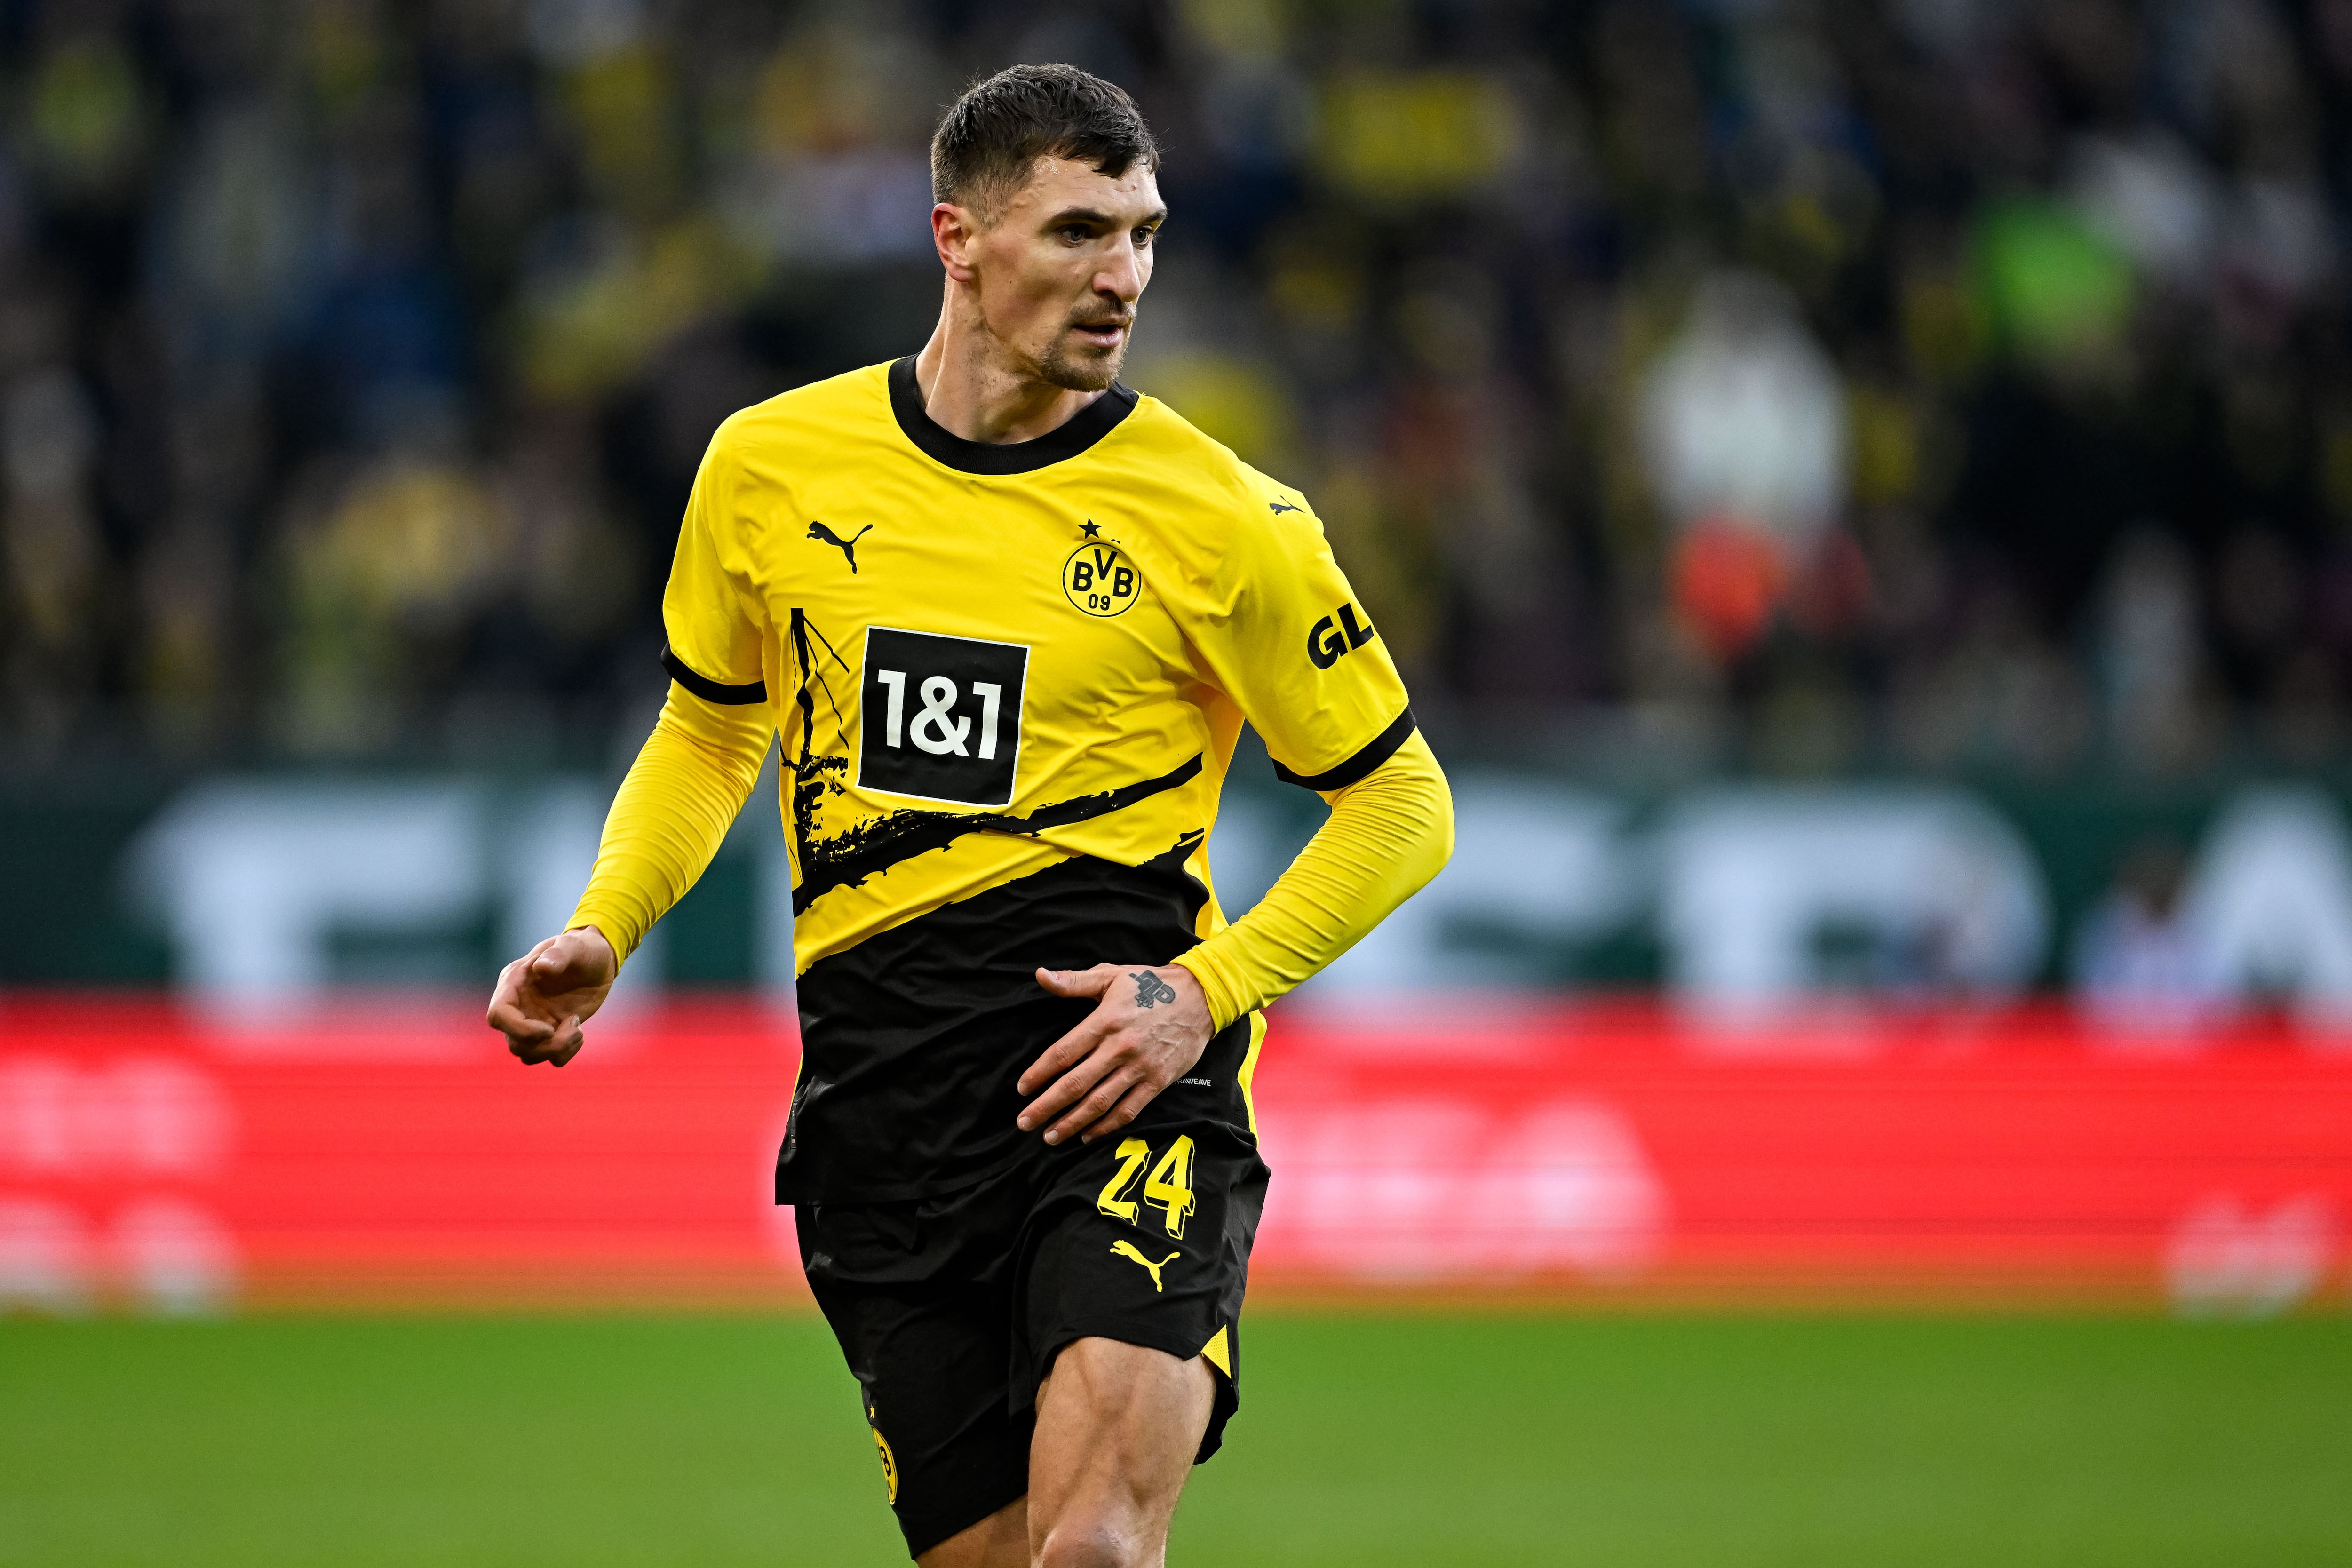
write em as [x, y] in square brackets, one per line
[1118, 1426]
[930, 1363]
[999, 1540]
[927, 1338]
[1144, 1240]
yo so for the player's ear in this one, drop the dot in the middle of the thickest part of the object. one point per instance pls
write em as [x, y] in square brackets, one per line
[953, 231]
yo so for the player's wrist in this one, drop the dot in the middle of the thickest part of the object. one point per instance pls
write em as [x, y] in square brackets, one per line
[590, 929]
[603, 927]
[1200, 965]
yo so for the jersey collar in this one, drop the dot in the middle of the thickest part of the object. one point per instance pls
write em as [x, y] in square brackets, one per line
[1074, 435]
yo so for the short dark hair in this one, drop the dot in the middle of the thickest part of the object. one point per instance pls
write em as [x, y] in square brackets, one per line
[994, 135]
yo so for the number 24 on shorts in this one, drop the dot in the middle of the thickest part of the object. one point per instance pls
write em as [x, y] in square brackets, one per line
[1168, 1186]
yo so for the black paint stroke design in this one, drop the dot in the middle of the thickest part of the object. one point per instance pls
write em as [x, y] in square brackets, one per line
[873, 848]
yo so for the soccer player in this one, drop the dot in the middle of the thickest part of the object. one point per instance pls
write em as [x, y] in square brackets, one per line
[1009, 618]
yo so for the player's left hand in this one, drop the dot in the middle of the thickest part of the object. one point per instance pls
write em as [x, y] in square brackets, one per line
[1149, 1029]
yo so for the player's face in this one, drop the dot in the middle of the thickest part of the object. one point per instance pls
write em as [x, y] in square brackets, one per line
[1063, 265]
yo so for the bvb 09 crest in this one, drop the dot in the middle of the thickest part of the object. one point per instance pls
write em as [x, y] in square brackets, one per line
[1099, 579]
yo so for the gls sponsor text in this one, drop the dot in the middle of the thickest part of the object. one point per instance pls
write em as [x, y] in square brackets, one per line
[1327, 643]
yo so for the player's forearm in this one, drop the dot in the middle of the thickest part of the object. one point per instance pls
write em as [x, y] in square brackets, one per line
[1387, 835]
[681, 796]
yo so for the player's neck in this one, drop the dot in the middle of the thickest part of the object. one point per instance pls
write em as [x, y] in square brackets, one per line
[972, 390]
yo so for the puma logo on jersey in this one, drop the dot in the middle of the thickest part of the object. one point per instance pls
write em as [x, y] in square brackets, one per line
[848, 546]
[1279, 507]
[1127, 1249]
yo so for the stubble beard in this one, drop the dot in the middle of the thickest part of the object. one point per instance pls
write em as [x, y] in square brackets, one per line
[1090, 370]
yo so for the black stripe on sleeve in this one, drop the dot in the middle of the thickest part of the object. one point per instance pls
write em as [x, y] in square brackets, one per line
[1374, 752]
[710, 690]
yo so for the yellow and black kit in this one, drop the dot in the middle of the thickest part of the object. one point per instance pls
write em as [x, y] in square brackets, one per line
[1008, 682]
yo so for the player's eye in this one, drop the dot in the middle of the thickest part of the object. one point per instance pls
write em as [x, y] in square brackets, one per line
[1143, 237]
[1076, 234]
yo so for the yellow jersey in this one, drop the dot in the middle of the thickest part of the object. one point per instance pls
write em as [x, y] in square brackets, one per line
[1009, 680]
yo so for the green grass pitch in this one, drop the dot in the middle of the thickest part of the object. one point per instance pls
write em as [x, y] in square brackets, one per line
[1365, 1440]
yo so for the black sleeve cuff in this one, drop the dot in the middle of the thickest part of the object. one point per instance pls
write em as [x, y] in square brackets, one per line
[1375, 751]
[710, 690]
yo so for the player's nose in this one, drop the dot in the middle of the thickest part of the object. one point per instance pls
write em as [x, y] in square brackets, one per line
[1121, 275]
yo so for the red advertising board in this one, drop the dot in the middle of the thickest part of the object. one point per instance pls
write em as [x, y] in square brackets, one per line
[382, 1152]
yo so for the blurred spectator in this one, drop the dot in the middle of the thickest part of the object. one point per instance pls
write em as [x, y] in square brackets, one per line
[2263, 916]
[2150, 651]
[48, 442]
[1958, 383]
[385, 565]
[1745, 422]
[2270, 900]
[2138, 964]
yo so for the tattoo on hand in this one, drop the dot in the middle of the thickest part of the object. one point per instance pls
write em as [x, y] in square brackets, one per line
[1150, 990]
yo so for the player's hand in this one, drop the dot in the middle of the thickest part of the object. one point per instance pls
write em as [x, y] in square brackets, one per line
[544, 997]
[1148, 1030]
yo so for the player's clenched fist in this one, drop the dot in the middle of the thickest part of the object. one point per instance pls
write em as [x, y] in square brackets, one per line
[1150, 1028]
[544, 997]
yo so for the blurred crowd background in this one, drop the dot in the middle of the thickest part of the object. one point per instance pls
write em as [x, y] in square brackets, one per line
[1860, 491]
[1798, 386]
[1942, 395]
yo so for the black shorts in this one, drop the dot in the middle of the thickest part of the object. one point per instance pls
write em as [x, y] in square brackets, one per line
[951, 1309]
